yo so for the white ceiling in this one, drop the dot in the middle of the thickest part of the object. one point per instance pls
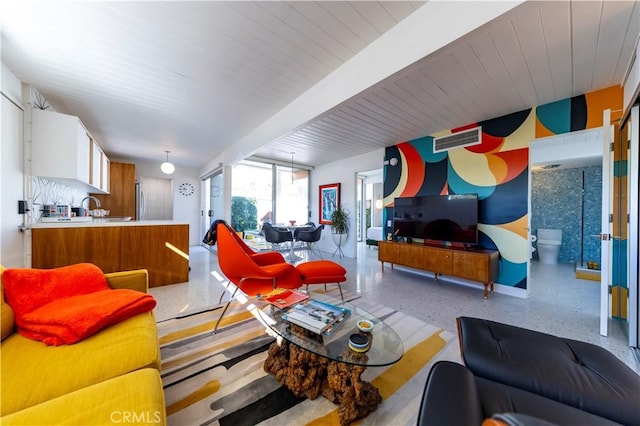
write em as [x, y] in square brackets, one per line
[196, 77]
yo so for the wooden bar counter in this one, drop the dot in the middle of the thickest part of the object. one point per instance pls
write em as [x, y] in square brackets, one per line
[161, 247]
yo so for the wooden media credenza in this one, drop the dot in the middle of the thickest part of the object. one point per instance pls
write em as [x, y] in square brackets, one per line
[471, 264]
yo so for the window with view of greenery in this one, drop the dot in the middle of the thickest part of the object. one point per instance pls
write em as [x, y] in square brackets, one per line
[244, 215]
[280, 193]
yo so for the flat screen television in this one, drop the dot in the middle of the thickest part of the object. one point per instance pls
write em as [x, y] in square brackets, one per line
[450, 218]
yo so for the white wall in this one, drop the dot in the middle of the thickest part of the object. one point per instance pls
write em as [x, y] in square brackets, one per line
[342, 171]
[376, 212]
[12, 241]
[186, 209]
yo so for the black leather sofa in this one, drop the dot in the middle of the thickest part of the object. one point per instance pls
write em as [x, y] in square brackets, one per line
[454, 396]
[515, 370]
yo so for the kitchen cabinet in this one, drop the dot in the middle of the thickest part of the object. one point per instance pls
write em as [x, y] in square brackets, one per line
[160, 248]
[121, 200]
[105, 166]
[62, 150]
[99, 168]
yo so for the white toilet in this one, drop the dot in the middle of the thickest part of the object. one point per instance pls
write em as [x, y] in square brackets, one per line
[549, 241]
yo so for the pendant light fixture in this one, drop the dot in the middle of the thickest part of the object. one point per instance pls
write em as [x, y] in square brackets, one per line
[167, 167]
[292, 167]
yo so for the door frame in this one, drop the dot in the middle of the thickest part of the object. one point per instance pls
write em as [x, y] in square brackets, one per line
[208, 212]
[606, 242]
[633, 137]
[567, 151]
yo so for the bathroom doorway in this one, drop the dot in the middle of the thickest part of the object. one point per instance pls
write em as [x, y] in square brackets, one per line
[567, 182]
[566, 201]
[370, 206]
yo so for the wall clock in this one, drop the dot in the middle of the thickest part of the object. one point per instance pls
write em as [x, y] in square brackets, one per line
[186, 189]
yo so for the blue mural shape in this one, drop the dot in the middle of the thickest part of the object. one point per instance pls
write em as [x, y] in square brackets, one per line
[556, 116]
[505, 125]
[435, 177]
[392, 174]
[507, 203]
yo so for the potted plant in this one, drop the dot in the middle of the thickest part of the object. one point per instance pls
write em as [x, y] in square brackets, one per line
[339, 227]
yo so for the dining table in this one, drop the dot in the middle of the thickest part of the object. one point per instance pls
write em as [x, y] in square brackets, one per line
[292, 227]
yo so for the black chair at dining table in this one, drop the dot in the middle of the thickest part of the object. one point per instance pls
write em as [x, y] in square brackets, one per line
[309, 238]
[277, 236]
[309, 226]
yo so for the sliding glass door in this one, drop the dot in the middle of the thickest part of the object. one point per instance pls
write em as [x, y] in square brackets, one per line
[251, 195]
[268, 192]
[213, 208]
[292, 195]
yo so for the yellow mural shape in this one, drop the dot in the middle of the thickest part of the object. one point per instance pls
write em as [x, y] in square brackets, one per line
[498, 167]
[518, 226]
[521, 138]
[472, 167]
[486, 169]
[404, 176]
[513, 247]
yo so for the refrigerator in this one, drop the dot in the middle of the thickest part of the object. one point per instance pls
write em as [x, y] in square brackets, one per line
[154, 198]
[139, 202]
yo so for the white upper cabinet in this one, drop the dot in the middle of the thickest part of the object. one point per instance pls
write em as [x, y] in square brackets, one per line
[82, 148]
[96, 163]
[63, 150]
[105, 181]
[99, 170]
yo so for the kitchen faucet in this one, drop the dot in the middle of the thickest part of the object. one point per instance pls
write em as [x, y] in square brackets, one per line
[90, 197]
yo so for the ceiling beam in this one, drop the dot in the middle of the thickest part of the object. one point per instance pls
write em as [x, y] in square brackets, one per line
[428, 29]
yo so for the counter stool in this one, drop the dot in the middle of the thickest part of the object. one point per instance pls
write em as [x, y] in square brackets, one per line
[322, 272]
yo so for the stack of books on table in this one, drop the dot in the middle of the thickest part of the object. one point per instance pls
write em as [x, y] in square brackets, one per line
[318, 317]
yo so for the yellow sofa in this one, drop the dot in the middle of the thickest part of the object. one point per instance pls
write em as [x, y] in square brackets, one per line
[111, 377]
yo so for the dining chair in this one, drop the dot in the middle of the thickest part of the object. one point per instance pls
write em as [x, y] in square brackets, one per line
[309, 238]
[303, 228]
[276, 236]
[261, 258]
[246, 271]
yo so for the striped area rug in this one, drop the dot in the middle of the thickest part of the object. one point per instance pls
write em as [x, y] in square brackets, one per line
[218, 379]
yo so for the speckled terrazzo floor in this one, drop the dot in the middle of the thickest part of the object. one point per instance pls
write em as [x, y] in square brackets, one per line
[558, 304]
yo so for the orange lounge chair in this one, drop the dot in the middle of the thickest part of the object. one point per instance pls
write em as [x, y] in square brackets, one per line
[260, 273]
[253, 273]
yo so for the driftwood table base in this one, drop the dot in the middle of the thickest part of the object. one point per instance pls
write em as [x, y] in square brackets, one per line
[309, 375]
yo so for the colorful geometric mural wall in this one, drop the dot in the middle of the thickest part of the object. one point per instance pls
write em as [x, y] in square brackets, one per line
[497, 170]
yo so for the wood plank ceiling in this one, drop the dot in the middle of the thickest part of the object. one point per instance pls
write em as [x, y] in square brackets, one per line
[538, 53]
[195, 77]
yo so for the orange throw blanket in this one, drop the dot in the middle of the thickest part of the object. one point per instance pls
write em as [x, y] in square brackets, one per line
[65, 305]
[69, 320]
[27, 289]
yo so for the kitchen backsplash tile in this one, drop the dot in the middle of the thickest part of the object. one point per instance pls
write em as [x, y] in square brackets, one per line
[46, 191]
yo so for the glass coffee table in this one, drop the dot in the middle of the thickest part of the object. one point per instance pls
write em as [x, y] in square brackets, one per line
[310, 364]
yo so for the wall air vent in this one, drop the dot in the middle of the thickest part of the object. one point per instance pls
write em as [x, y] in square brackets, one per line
[458, 140]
